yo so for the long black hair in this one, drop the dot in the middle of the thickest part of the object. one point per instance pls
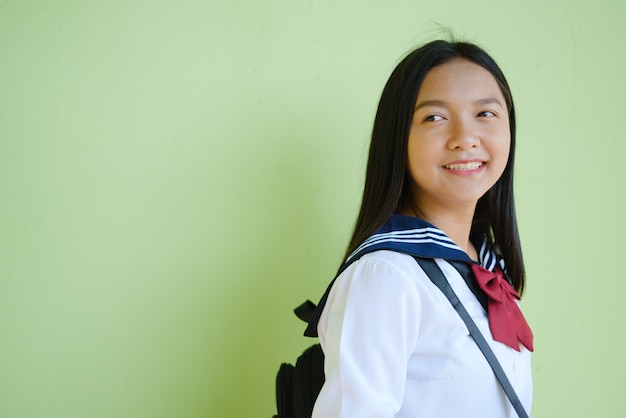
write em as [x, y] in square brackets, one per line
[386, 180]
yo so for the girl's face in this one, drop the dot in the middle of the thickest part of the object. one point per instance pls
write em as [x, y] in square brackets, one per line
[459, 139]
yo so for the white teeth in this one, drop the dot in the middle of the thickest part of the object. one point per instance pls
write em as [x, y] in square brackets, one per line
[466, 166]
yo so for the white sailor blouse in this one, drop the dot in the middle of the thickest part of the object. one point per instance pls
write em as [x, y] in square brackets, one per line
[395, 347]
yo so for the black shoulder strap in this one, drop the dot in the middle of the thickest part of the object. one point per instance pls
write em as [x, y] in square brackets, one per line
[436, 275]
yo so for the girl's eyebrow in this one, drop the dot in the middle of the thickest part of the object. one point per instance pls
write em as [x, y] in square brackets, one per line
[426, 103]
[489, 100]
[442, 103]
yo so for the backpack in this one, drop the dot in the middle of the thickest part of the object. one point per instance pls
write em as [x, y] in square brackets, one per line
[297, 387]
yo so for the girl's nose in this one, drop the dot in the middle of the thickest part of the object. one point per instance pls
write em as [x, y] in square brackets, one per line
[464, 135]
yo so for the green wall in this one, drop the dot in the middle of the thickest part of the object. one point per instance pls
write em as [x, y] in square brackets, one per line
[176, 176]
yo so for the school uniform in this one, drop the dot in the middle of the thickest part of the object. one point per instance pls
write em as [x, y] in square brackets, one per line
[395, 346]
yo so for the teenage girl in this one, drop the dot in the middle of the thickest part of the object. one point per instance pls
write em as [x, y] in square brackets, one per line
[439, 184]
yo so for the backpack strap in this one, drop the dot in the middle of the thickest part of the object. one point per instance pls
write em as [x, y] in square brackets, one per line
[437, 277]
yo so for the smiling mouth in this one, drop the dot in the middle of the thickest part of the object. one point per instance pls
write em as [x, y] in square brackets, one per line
[464, 166]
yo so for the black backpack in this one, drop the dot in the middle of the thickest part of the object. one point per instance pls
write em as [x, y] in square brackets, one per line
[297, 387]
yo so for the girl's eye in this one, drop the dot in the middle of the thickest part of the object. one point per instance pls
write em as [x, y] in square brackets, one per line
[486, 114]
[432, 118]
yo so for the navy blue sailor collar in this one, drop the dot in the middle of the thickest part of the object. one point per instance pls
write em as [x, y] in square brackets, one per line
[415, 237]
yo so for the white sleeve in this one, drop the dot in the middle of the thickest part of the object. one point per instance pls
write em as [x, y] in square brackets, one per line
[368, 330]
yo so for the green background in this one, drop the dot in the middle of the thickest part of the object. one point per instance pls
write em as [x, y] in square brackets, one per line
[176, 176]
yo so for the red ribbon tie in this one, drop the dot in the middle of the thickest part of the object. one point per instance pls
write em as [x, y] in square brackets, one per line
[506, 321]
